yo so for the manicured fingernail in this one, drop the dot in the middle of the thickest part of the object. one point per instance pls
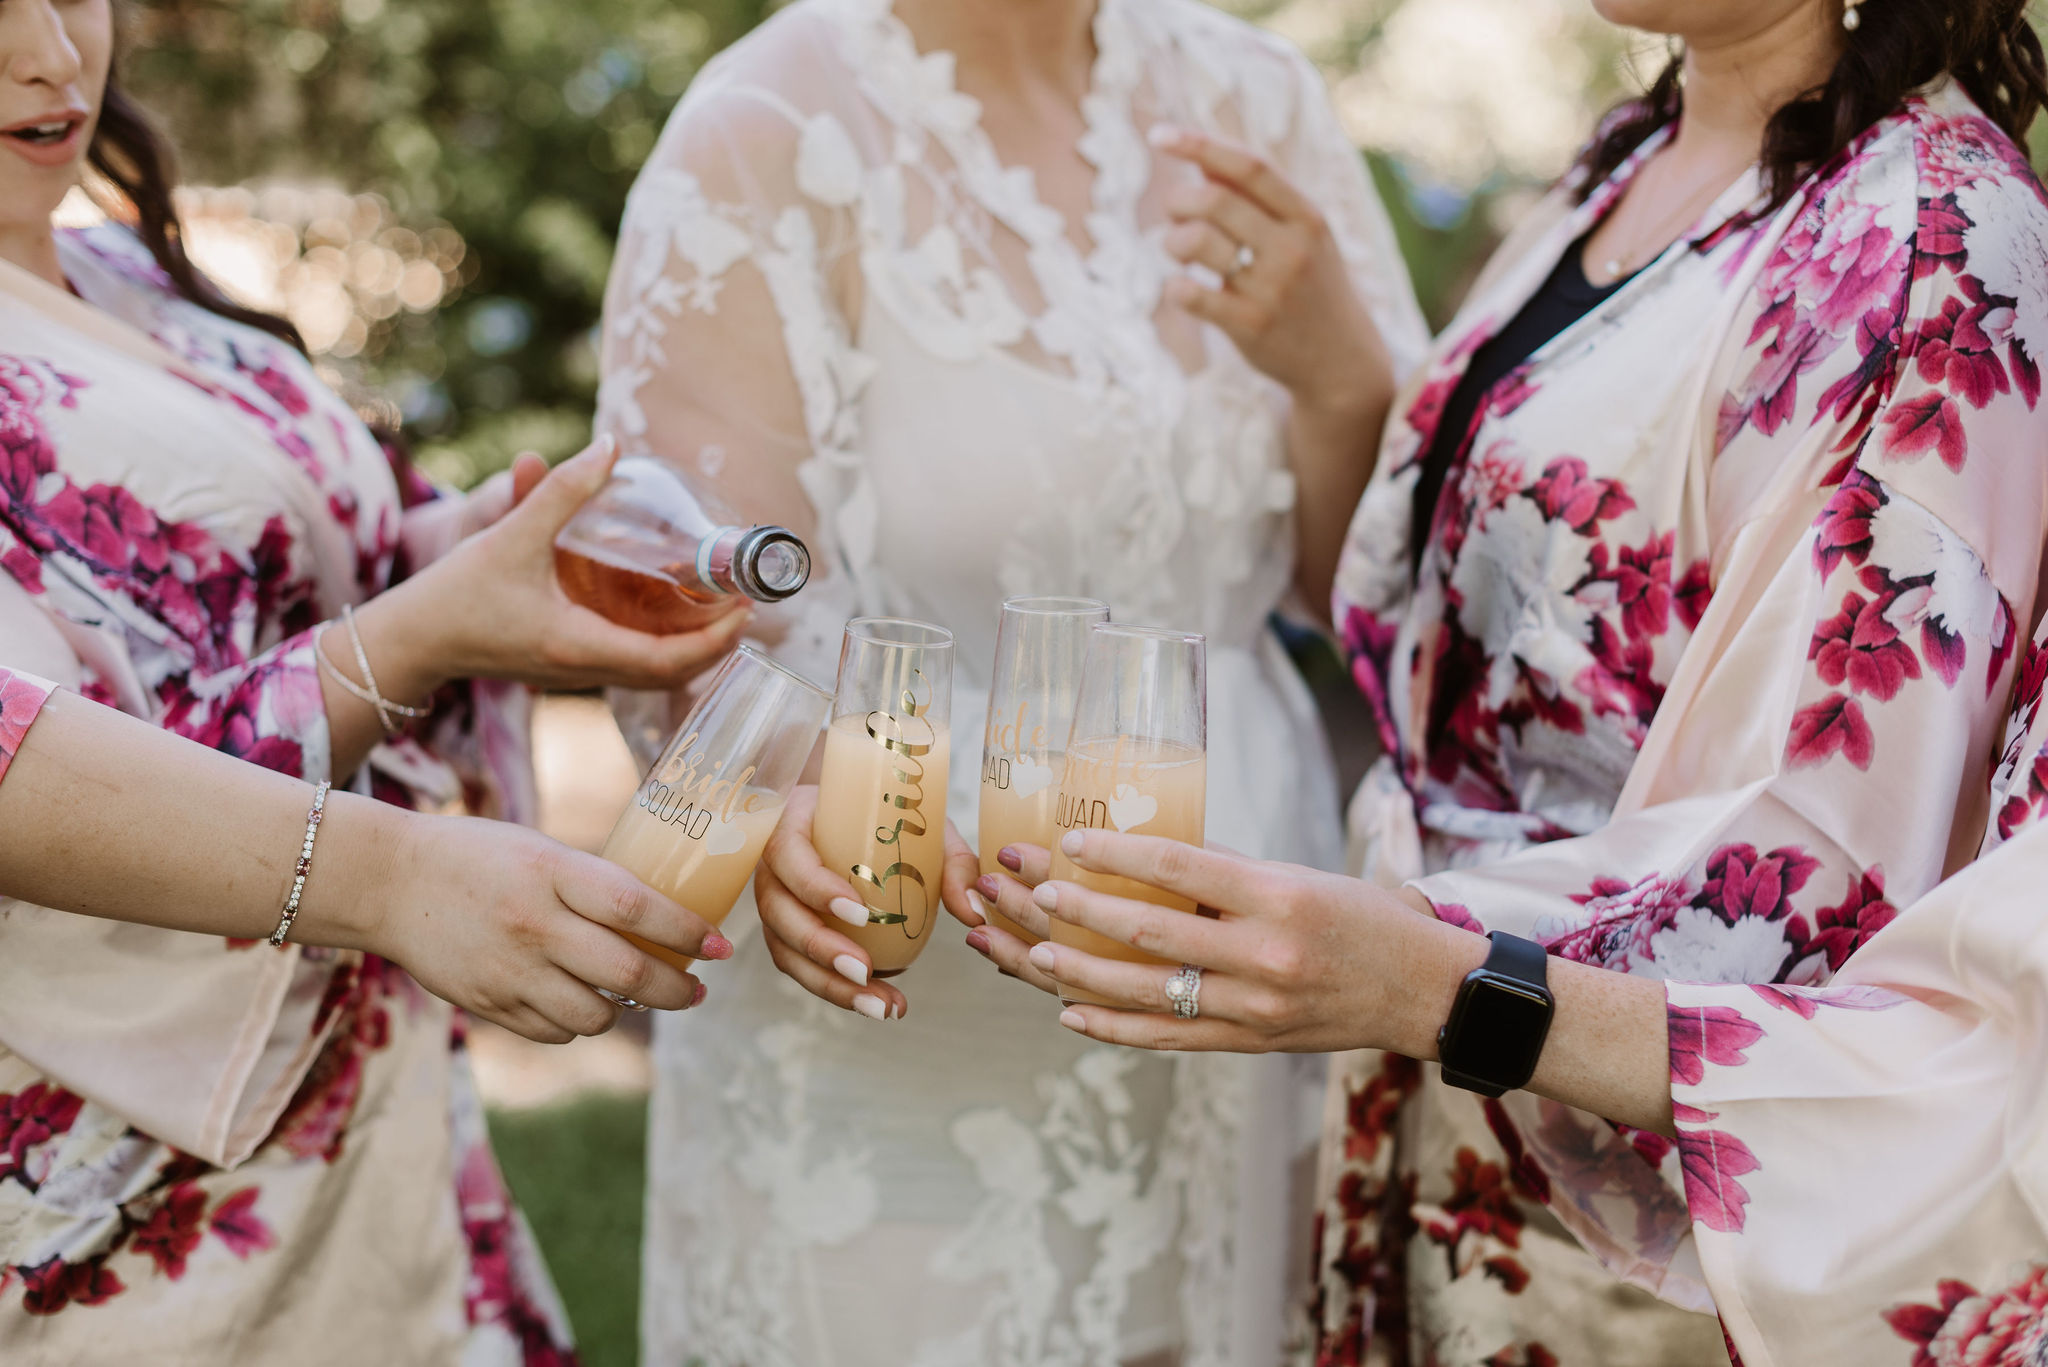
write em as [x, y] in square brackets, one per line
[852, 969]
[848, 910]
[979, 903]
[977, 940]
[1008, 857]
[1163, 135]
[871, 1007]
[1046, 895]
[896, 1012]
[1042, 957]
[698, 995]
[1073, 1021]
[715, 946]
[987, 886]
[1070, 844]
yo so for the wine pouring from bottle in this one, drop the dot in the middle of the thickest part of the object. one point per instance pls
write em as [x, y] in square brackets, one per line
[652, 554]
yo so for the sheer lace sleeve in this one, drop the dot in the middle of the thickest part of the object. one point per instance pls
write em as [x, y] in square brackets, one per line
[727, 338]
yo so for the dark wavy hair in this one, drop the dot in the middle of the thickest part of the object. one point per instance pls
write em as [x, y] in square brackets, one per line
[1898, 46]
[136, 160]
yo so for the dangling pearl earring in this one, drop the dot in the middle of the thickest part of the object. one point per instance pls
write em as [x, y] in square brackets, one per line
[1851, 20]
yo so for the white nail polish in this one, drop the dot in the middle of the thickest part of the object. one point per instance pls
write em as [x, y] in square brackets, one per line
[871, 1007]
[852, 969]
[980, 907]
[848, 910]
[1073, 1021]
[1042, 957]
[1070, 844]
[1162, 135]
[1046, 896]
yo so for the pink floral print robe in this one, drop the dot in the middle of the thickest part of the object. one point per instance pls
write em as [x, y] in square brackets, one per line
[212, 1151]
[1703, 676]
[1914, 1074]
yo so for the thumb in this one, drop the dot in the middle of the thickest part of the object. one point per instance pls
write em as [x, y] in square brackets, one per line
[566, 489]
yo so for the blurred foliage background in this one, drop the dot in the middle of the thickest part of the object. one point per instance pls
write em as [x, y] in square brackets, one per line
[430, 188]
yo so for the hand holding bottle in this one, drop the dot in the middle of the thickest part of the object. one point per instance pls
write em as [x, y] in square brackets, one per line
[492, 608]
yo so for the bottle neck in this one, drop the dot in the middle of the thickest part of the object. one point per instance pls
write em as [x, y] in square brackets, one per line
[765, 563]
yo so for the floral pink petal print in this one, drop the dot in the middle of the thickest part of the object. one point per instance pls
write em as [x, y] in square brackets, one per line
[236, 1223]
[1834, 725]
[1968, 1328]
[174, 1229]
[1712, 1160]
[1707, 1034]
[1926, 422]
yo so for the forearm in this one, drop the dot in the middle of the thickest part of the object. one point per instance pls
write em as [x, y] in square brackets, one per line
[1332, 449]
[1607, 1051]
[106, 815]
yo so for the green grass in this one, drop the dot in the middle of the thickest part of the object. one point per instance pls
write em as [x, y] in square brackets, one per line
[578, 1170]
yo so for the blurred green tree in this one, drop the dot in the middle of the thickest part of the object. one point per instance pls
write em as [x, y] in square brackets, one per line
[518, 123]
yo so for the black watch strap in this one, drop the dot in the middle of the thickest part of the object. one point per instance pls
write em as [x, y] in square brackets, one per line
[1519, 969]
[1517, 958]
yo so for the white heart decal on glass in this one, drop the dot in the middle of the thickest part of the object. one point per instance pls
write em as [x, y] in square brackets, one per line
[1028, 778]
[1131, 808]
[724, 837]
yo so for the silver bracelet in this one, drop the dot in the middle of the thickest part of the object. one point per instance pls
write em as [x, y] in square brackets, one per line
[291, 903]
[384, 707]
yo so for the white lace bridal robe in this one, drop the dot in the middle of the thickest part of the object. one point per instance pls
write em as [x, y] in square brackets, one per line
[836, 299]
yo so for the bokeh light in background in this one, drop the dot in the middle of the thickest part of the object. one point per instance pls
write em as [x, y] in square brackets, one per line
[430, 188]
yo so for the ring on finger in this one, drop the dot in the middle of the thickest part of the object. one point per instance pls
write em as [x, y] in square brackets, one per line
[1184, 990]
[1245, 259]
[616, 1000]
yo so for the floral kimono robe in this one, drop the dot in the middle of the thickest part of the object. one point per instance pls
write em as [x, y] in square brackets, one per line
[212, 1151]
[1702, 675]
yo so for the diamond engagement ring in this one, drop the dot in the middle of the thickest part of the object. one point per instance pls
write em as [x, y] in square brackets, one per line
[1184, 990]
[1242, 262]
[616, 1000]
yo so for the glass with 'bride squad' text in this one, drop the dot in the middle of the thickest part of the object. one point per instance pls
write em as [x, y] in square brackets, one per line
[1137, 761]
[696, 826]
[1040, 643]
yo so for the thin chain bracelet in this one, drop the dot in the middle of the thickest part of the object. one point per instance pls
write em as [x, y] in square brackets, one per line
[372, 695]
[291, 903]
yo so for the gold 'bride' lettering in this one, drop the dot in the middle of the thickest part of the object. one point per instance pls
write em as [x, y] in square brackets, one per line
[908, 738]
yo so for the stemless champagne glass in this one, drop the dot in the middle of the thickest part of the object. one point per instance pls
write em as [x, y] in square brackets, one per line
[882, 796]
[1040, 643]
[695, 828]
[1137, 761]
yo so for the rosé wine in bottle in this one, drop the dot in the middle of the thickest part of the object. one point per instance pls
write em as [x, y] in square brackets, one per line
[649, 554]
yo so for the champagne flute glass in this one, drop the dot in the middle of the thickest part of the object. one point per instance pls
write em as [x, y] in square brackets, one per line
[695, 828]
[1040, 643]
[1137, 761]
[882, 795]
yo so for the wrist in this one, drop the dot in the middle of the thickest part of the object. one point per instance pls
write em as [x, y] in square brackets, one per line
[400, 642]
[361, 847]
[1434, 968]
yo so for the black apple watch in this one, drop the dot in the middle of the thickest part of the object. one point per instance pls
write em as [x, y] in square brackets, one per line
[1495, 1034]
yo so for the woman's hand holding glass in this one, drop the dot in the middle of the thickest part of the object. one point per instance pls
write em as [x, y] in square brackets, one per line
[1292, 959]
[804, 908]
[491, 607]
[506, 923]
[1283, 291]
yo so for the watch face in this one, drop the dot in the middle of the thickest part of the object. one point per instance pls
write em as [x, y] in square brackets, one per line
[1499, 1032]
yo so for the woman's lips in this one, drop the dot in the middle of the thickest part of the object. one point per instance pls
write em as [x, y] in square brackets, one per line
[44, 150]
